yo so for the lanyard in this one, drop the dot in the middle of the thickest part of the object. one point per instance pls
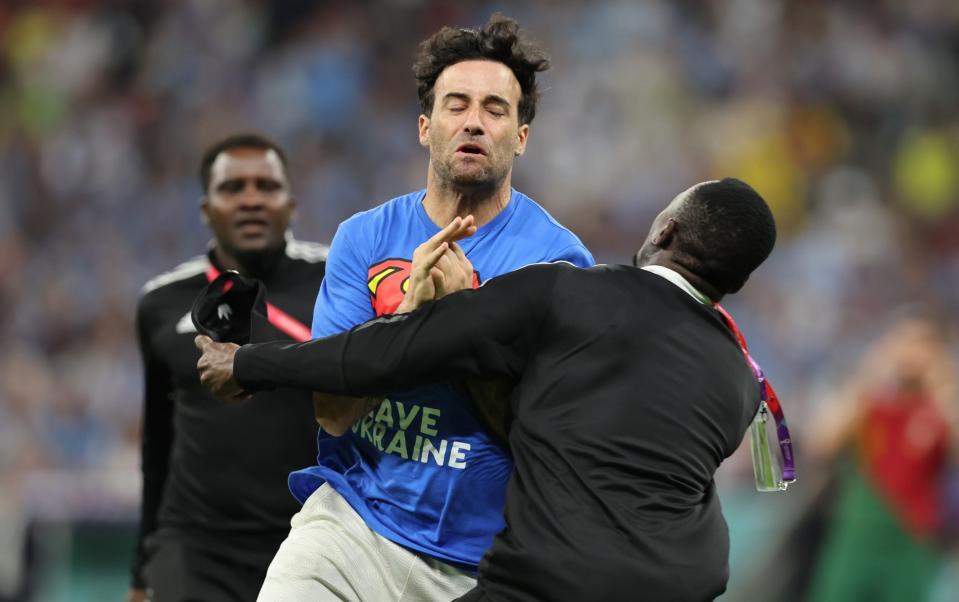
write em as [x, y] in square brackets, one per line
[283, 321]
[770, 400]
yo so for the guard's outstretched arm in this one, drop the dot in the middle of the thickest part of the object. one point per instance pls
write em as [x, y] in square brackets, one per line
[488, 332]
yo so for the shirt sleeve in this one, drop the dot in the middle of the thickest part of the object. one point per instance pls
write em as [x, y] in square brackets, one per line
[343, 300]
[488, 332]
[157, 438]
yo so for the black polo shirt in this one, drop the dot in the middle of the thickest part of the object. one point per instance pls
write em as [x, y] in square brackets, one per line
[215, 473]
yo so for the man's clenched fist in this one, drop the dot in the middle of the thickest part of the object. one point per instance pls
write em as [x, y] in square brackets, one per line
[216, 369]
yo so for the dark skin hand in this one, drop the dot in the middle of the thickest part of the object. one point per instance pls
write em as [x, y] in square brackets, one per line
[216, 369]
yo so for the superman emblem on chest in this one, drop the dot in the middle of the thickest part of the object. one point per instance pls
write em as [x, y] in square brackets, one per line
[388, 282]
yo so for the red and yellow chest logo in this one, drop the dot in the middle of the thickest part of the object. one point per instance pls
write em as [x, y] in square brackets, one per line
[388, 282]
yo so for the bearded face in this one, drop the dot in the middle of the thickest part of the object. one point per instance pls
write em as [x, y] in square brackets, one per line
[473, 132]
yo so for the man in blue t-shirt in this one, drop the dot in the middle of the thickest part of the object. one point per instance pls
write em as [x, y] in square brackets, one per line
[409, 490]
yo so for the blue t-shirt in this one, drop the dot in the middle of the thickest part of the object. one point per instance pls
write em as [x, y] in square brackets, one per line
[421, 469]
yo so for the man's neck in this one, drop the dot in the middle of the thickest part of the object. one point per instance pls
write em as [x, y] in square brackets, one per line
[253, 264]
[443, 202]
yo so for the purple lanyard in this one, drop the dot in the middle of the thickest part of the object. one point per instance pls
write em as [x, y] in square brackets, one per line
[770, 400]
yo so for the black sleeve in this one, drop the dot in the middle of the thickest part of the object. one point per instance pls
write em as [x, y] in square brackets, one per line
[157, 438]
[488, 332]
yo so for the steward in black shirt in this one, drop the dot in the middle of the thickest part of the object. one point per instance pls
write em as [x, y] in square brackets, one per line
[629, 391]
[215, 501]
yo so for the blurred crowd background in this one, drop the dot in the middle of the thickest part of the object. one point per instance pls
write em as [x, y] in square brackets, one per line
[843, 114]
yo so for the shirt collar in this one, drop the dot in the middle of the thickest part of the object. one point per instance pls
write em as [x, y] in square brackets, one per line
[677, 279]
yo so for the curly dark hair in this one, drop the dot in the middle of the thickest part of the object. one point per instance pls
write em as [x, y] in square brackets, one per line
[499, 40]
[238, 140]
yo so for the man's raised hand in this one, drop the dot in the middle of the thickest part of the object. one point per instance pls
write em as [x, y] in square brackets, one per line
[440, 266]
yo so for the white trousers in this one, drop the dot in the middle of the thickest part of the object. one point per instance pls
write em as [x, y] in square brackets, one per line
[330, 554]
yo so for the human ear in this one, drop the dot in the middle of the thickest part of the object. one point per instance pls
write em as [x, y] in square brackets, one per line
[424, 129]
[521, 136]
[665, 235]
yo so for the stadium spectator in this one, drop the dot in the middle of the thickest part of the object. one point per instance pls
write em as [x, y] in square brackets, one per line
[892, 430]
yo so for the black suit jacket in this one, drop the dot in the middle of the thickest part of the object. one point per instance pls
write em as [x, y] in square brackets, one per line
[629, 394]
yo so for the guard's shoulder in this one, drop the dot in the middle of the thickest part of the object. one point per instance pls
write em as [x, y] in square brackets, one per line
[541, 269]
[573, 274]
[560, 265]
[611, 272]
[610, 268]
[540, 272]
[188, 269]
[310, 252]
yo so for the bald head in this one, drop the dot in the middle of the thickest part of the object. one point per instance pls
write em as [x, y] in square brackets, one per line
[715, 233]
